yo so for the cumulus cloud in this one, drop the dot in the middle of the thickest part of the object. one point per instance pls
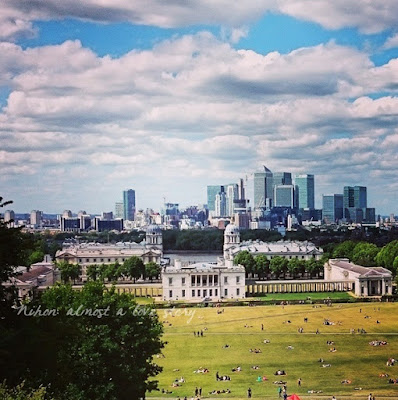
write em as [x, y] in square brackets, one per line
[192, 110]
[369, 16]
[391, 42]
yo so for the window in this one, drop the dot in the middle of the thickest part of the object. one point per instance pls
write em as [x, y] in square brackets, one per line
[204, 292]
[170, 281]
[198, 292]
[102, 260]
[215, 292]
[183, 293]
[193, 280]
[198, 280]
[211, 292]
[237, 279]
[80, 260]
[170, 293]
[225, 280]
[183, 281]
[193, 292]
[215, 280]
[237, 291]
[109, 260]
[204, 280]
[95, 260]
[87, 260]
[210, 280]
[225, 292]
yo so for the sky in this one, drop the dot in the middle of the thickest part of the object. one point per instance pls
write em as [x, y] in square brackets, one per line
[167, 97]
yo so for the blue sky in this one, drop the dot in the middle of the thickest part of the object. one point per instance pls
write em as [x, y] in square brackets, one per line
[167, 98]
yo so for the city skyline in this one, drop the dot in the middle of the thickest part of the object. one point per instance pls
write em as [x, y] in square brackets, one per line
[99, 97]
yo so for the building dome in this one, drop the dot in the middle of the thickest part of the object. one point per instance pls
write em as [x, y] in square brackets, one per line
[231, 229]
[153, 229]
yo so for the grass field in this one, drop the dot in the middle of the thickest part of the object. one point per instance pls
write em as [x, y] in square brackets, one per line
[354, 360]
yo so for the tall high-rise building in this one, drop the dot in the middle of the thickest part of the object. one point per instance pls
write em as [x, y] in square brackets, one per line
[355, 203]
[9, 216]
[284, 196]
[306, 191]
[332, 208]
[129, 204]
[221, 204]
[119, 209]
[232, 194]
[282, 178]
[35, 218]
[212, 192]
[262, 189]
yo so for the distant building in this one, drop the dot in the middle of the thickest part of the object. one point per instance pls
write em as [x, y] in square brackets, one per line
[36, 218]
[86, 254]
[204, 281]
[332, 208]
[262, 189]
[221, 204]
[9, 215]
[287, 249]
[368, 281]
[119, 209]
[306, 191]
[284, 196]
[129, 204]
[107, 224]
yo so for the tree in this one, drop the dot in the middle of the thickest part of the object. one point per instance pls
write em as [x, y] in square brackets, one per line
[314, 267]
[364, 254]
[278, 265]
[261, 266]
[246, 259]
[20, 393]
[294, 267]
[386, 256]
[344, 249]
[135, 267]
[93, 272]
[152, 270]
[35, 257]
[69, 271]
[101, 358]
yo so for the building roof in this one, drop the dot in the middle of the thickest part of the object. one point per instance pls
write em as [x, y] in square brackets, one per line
[34, 274]
[280, 247]
[204, 267]
[363, 272]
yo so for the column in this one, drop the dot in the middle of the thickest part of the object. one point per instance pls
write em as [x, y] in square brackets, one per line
[383, 285]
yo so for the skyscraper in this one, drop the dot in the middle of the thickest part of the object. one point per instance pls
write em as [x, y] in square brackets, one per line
[332, 208]
[282, 178]
[262, 189]
[306, 190]
[129, 204]
[232, 195]
[119, 209]
[221, 204]
[284, 196]
[212, 191]
[355, 204]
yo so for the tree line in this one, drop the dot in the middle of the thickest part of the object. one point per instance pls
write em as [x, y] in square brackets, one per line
[133, 268]
[262, 268]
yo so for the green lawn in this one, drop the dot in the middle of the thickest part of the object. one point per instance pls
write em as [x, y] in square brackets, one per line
[354, 360]
[304, 296]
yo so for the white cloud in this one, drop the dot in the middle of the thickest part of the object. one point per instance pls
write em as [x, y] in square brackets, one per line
[369, 16]
[189, 112]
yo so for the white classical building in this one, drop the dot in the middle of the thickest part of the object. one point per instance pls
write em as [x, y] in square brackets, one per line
[204, 281]
[287, 249]
[367, 281]
[86, 254]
